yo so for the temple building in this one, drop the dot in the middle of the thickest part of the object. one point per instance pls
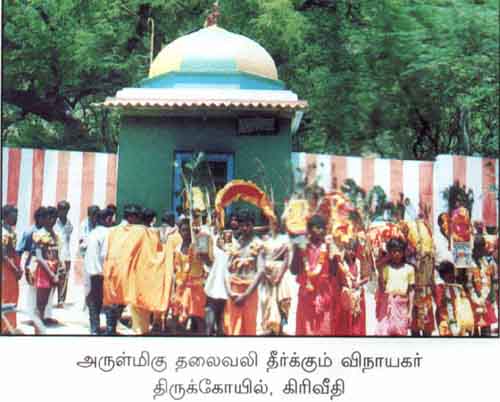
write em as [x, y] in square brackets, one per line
[211, 91]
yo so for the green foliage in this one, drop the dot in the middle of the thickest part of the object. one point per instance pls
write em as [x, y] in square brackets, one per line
[433, 65]
[402, 78]
[368, 206]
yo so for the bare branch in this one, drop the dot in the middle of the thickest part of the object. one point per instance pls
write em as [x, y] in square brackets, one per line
[52, 111]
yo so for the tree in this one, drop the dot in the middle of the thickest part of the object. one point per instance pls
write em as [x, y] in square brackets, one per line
[402, 78]
[63, 56]
[432, 66]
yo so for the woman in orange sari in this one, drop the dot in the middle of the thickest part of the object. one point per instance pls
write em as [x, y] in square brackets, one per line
[11, 273]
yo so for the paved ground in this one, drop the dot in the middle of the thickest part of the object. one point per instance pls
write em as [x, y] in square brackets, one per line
[73, 318]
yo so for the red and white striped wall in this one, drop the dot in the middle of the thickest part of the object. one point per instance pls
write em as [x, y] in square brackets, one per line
[412, 178]
[479, 174]
[31, 178]
[34, 177]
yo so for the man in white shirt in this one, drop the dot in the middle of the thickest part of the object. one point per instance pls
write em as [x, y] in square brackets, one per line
[86, 227]
[215, 289]
[443, 253]
[93, 265]
[167, 227]
[63, 228]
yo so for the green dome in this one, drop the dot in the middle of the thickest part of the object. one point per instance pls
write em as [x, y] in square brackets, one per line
[214, 50]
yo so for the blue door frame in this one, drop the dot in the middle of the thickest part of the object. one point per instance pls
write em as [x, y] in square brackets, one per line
[183, 156]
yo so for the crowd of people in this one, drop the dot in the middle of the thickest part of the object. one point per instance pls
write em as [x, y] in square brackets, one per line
[237, 280]
[42, 255]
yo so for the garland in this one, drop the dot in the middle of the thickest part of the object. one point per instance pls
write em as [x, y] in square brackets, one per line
[354, 294]
[9, 237]
[316, 270]
[451, 322]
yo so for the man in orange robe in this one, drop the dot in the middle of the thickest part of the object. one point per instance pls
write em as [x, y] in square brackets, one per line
[136, 271]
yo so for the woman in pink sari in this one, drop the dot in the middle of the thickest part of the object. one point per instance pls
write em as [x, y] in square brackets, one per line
[316, 292]
[396, 283]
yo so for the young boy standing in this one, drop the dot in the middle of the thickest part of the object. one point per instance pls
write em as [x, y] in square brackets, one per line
[215, 289]
[246, 267]
[314, 270]
[190, 295]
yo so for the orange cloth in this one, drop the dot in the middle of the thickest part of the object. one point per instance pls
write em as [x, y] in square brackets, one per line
[173, 242]
[241, 319]
[190, 298]
[10, 285]
[136, 269]
[140, 320]
[176, 302]
[10, 292]
[193, 300]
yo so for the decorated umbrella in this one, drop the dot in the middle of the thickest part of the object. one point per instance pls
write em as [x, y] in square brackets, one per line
[241, 190]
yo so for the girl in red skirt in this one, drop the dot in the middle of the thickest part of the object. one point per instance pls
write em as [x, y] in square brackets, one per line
[47, 260]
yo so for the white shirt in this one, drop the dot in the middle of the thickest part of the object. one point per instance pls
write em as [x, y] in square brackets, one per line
[64, 232]
[442, 254]
[442, 251]
[215, 286]
[166, 231]
[274, 243]
[85, 230]
[399, 279]
[97, 247]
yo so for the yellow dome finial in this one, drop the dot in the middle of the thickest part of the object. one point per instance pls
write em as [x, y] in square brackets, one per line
[213, 16]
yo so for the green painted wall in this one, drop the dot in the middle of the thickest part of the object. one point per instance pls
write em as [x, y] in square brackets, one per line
[148, 145]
